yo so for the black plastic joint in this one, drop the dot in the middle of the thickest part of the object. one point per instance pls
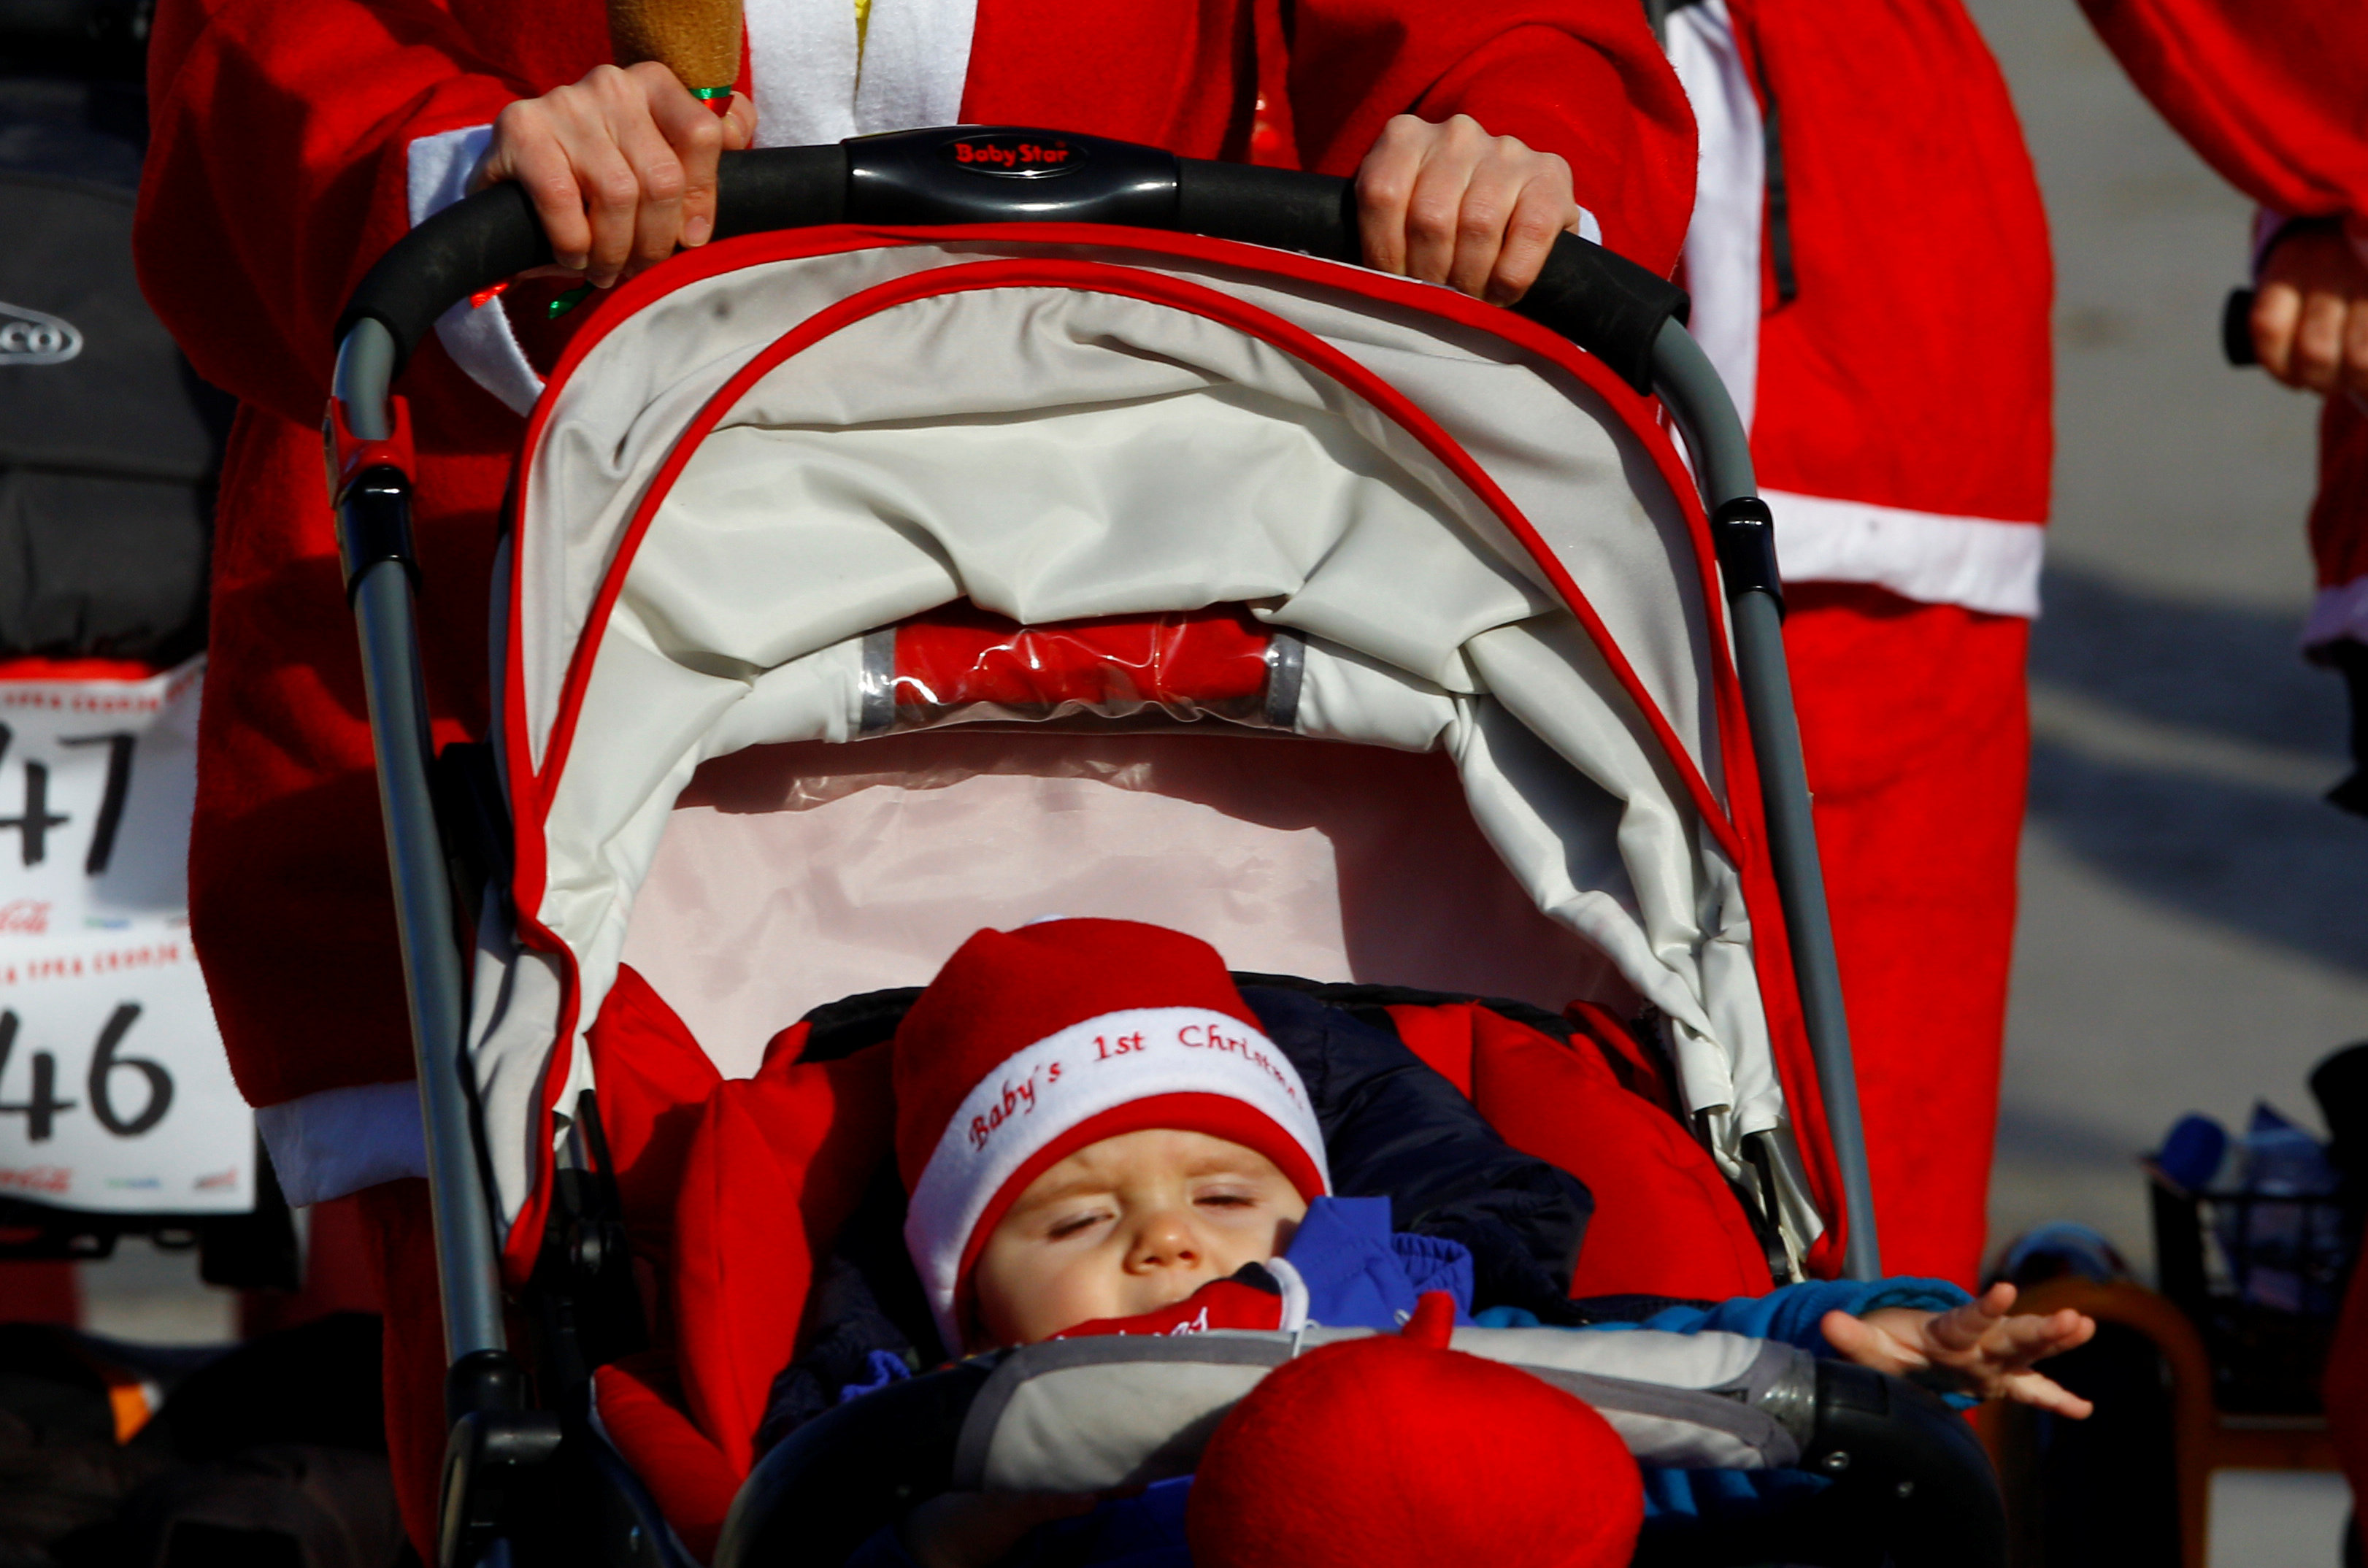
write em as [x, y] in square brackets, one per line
[484, 1381]
[374, 524]
[492, 1464]
[1744, 533]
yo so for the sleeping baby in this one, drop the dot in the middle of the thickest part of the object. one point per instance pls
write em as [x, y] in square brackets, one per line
[1099, 1133]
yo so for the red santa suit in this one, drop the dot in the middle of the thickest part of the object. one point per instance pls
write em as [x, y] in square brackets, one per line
[1870, 272]
[295, 140]
[2276, 99]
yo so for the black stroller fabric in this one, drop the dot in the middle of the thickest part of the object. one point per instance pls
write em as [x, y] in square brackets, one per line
[109, 443]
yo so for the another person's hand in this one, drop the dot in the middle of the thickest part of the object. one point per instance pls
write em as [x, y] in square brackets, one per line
[2310, 312]
[1452, 204]
[620, 167]
[976, 1530]
[1989, 1352]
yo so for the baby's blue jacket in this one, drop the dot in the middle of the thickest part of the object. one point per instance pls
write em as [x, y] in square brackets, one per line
[1359, 1274]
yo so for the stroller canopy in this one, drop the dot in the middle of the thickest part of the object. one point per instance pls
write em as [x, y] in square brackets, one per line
[1481, 543]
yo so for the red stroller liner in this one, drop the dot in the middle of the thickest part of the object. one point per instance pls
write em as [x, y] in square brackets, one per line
[734, 1197]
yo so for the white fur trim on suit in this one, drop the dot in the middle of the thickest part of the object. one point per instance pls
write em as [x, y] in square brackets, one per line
[1978, 563]
[915, 60]
[327, 1144]
[1981, 563]
[812, 84]
[2338, 613]
[1731, 172]
[478, 337]
[1068, 1078]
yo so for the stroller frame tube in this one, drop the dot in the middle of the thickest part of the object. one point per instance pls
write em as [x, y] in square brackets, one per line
[1690, 385]
[380, 583]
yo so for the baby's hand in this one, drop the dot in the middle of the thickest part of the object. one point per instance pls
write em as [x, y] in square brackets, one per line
[975, 1529]
[1452, 204]
[1991, 1352]
[620, 167]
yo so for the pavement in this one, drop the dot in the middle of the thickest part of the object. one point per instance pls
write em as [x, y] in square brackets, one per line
[2190, 934]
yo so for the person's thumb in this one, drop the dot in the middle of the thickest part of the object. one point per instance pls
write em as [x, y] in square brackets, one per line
[740, 123]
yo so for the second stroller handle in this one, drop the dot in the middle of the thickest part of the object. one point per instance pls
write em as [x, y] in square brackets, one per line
[1607, 305]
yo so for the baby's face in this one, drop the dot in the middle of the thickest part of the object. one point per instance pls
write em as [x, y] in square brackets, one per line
[1126, 1226]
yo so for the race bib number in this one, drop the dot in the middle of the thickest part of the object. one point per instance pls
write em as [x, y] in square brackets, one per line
[114, 1090]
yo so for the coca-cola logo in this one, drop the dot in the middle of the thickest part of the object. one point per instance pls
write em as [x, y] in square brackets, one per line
[35, 337]
[24, 917]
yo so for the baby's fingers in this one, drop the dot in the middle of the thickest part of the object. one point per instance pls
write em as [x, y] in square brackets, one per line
[1856, 1340]
[1960, 1330]
[2043, 1393]
[2018, 1342]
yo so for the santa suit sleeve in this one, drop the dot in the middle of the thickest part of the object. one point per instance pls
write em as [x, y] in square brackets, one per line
[278, 169]
[2268, 94]
[1583, 79]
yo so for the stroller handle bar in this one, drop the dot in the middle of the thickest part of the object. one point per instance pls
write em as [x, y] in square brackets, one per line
[1606, 303]
[1627, 316]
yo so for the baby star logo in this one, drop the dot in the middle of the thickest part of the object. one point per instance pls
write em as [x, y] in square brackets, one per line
[1017, 1099]
[35, 337]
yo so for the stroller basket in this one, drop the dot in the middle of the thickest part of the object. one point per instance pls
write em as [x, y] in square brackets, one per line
[2261, 1276]
[505, 1451]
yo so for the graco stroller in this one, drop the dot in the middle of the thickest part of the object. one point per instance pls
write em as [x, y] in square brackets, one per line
[1171, 569]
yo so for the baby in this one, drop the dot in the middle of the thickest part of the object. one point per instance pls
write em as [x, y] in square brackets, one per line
[1099, 1135]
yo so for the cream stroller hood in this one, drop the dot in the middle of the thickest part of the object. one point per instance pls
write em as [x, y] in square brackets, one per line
[1484, 545]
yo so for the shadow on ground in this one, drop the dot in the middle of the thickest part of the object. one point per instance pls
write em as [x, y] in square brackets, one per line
[2041, 1137]
[2232, 671]
[2278, 864]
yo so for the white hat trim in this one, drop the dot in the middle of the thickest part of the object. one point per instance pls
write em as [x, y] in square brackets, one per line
[1043, 1090]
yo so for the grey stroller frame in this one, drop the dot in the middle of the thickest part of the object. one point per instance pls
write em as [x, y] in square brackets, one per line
[1626, 317]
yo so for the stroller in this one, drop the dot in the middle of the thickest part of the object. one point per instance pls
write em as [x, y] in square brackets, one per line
[1178, 571]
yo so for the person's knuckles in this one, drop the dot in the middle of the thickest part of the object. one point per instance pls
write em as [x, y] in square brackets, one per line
[2314, 358]
[612, 85]
[1432, 216]
[662, 182]
[522, 120]
[1465, 133]
[702, 138]
[614, 188]
[1485, 211]
[2355, 341]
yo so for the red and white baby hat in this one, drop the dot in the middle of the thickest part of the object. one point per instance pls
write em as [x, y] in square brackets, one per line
[1032, 1044]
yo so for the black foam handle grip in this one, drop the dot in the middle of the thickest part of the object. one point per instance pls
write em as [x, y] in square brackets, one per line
[1599, 299]
[2237, 328]
[1605, 304]
[476, 244]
